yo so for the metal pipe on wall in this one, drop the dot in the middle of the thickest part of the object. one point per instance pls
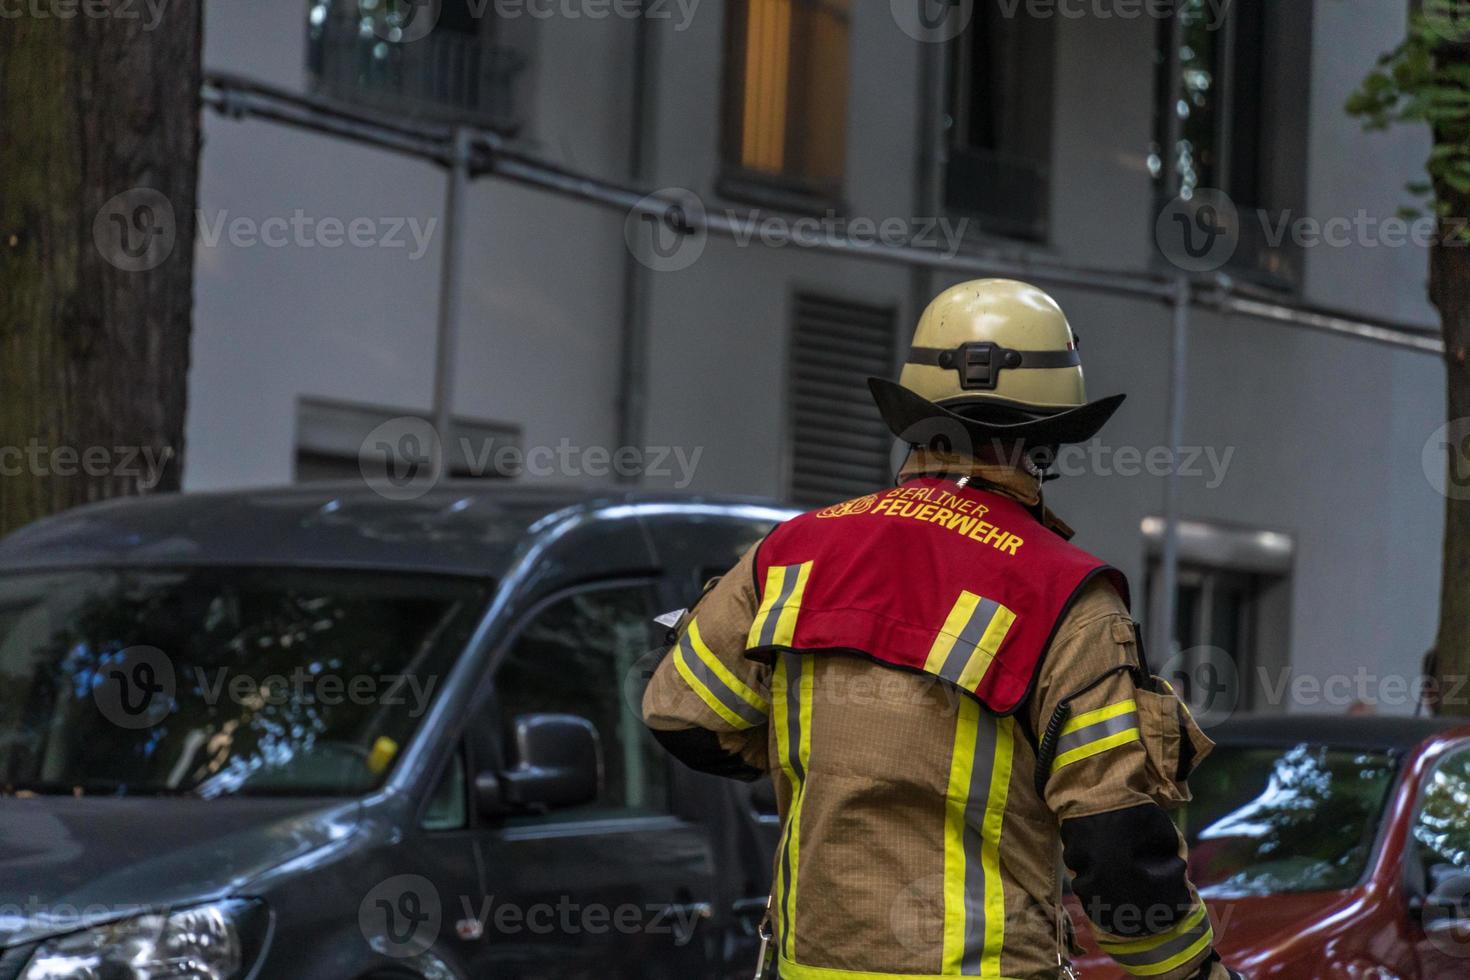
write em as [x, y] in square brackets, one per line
[447, 333]
[1163, 630]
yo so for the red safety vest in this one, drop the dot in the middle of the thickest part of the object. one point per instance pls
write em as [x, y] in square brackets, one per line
[958, 582]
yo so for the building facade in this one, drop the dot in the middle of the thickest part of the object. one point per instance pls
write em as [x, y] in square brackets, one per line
[1049, 132]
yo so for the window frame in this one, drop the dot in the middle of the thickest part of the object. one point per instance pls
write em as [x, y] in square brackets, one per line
[737, 182]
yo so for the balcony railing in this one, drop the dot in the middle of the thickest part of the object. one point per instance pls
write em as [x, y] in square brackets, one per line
[446, 75]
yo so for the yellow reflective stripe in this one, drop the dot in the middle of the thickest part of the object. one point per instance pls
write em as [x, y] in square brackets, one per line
[995, 635]
[1095, 748]
[790, 970]
[786, 621]
[949, 633]
[995, 811]
[1100, 714]
[957, 799]
[775, 620]
[1175, 962]
[738, 687]
[705, 694]
[1131, 955]
[775, 575]
[794, 749]
[974, 817]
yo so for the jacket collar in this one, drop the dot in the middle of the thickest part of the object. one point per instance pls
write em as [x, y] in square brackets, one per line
[1004, 478]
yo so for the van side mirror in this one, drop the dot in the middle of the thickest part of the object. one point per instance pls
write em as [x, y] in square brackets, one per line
[556, 762]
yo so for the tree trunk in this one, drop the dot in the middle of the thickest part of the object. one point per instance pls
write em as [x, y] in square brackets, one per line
[1450, 291]
[99, 151]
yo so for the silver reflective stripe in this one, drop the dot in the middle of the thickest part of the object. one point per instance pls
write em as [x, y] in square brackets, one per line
[968, 640]
[789, 575]
[980, 774]
[1164, 951]
[747, 711]
[1096, 731]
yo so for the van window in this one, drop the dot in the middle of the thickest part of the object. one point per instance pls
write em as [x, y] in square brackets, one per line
[448, 808]
[573, 658]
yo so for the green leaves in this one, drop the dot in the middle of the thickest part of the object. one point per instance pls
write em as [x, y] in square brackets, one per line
[1426, 80]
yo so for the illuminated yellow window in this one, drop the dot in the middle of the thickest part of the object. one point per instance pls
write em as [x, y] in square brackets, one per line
[786, 110]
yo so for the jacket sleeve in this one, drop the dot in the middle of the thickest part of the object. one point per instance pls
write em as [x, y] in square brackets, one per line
[705, 702]
[1115, 748]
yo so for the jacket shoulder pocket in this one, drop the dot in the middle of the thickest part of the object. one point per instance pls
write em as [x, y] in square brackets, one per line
[1174, 743]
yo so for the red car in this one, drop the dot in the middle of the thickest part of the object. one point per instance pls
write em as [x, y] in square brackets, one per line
[1331, 849]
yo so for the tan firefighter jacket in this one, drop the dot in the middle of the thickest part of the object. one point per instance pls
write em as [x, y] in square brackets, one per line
[917, 843]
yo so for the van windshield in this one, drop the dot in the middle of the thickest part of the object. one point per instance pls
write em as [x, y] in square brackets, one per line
[1296, 818]
[214, 681]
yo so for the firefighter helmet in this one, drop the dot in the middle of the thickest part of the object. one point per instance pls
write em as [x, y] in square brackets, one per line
[999, 358]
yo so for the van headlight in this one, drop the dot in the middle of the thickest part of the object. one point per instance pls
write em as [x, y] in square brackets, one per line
[206, 942]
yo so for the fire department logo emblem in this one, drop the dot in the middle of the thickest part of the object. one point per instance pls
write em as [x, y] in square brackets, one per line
[860, 505]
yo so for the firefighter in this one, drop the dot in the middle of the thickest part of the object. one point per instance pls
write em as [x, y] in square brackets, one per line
[948, 695]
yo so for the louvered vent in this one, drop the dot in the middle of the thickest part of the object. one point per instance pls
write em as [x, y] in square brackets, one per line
[840, 446]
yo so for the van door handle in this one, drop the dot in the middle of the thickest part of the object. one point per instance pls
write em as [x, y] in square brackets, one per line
[685, 918]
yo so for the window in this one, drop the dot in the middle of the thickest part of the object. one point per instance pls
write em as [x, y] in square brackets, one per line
[572, 659]
[999, 122]
[1441, 835]
[448, 808]
[786, 67]
[1231, 118]
[1231, 615]
[398, 56]
[840, 446]
[1274, 820]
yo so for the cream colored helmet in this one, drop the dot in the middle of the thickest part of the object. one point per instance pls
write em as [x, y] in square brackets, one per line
[999, 358]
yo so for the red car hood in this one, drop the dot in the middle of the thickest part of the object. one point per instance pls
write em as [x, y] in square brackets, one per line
[1249, 932]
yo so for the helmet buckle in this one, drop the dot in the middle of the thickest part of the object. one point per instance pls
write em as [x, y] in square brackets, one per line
[980, 364]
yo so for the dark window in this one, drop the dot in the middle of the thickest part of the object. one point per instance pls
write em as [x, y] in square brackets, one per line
[1231, 118]
[1292, 819]
[999, 122]
[573, 658]
[448, 808]
[786, 67]
[840, 447]
[1215, 615]
[217, 681]
[387, 54]
[1442, 827]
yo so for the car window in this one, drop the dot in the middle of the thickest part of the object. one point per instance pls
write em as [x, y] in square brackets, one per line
[572, 658]
[448, 808]
[1442, 825]
[1291, 819]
